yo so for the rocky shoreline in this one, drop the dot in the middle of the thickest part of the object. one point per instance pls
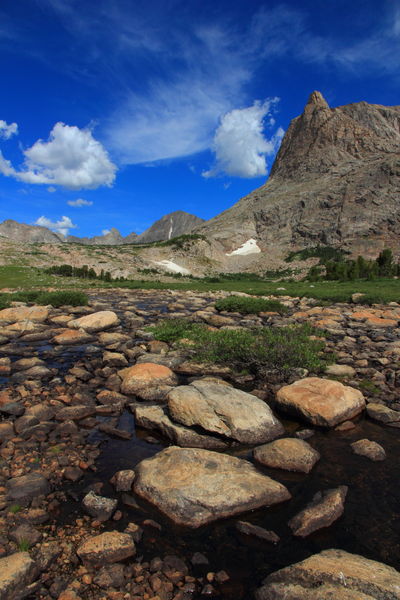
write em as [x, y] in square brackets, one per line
[71, 379]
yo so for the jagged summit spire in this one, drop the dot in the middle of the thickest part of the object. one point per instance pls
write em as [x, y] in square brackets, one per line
[316, 99]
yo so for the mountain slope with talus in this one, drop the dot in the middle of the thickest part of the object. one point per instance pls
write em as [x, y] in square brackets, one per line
[335, 181]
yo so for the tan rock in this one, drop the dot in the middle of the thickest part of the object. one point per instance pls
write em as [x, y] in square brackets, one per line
[333, 575]
[369, 449]
[17, 571]
[149, 381]
[326, 507]
[321, 401]
[69, 336]
[24, 313]
[224, 410]
[340, 370]
[108, 547]
[97, 321]
[291, 454]
[383, 414]
[194, 487]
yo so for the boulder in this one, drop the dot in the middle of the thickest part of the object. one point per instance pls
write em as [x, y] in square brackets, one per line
[27, 487]
[99, 507]
[320, 401]
[98, 321]
[148, 381]
[332, 575]
[156, 418]
[194, 487]
[291, 454]
[17, 571]
[68, 337]
[383, 414]
[123, 480]
[224, 410]
[24, 313]
[108, 547]
[369, 449]
[325, 508]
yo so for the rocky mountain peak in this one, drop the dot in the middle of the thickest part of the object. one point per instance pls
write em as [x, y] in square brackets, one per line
[316, 100]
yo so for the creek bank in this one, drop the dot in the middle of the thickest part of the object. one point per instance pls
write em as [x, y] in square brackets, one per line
[66, 429]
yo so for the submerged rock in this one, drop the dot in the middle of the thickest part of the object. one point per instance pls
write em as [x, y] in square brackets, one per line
[194, 487]
[325, 508]
[321, 401]
[332, 575]
[224, 410]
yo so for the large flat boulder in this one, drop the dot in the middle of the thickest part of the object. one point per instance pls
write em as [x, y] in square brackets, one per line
[156, 418]
[194, 487]
[27, 487]
[148, 381]
[98, 321]
[333, 575]
[24, 313]
[320, 401]
[224, 410]
[17, 571]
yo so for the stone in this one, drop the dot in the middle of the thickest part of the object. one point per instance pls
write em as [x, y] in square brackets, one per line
[27, 487]
[258, 532]
[98, 321]
[383, 414]
[110, 397]
[17, 571]
[99, 507]
[75, 412]
[26, 533]
[224, 410]
[291, 454]
[370, 449]
[24, 313]
[332, 575]
[194, 487]
[123, 480]
[156, 418]
[68, 337]
[6, 431]
[340, 370]
[324, 509]
[321, 401]
[148, 381]
[114, 359]
[106, 548]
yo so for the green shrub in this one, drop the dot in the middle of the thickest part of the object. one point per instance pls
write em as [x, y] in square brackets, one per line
[247, 306]
[23, 545]
[253, 350]
[324, 253]
[62, 298]
[15, 508]
[172, 330]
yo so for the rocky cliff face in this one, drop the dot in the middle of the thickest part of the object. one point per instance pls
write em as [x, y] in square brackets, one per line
[29, 234]
[112, 238]
[335, 181]
[170, 226]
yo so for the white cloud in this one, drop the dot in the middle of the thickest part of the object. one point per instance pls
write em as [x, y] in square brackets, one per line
[51, 189]
[105, 231]
[63, 225]
[240, 145]
[6, 131]
[71, 158]
[80, 202]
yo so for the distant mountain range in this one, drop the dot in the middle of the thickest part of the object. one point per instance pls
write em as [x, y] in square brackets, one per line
[172, 225]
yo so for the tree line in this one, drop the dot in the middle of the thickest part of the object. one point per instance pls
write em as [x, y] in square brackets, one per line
[83, 272]
[348, 270]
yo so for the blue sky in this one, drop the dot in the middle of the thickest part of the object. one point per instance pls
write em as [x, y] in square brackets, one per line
[114, 113]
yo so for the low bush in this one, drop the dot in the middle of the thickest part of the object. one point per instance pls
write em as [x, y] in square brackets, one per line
[254, 350]
[247, 306]
[62, 298]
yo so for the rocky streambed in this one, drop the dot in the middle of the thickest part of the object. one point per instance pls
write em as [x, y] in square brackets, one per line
[127, 471]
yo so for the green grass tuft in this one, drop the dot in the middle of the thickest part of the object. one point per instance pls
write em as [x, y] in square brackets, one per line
[247, 306]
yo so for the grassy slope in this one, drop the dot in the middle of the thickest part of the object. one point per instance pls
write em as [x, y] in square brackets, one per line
[384, 290]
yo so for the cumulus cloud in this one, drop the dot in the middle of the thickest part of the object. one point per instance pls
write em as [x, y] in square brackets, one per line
[63, 225]
[105, 231]
[80, 202]
[240, 145]
[71, 158]
[6, 131]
